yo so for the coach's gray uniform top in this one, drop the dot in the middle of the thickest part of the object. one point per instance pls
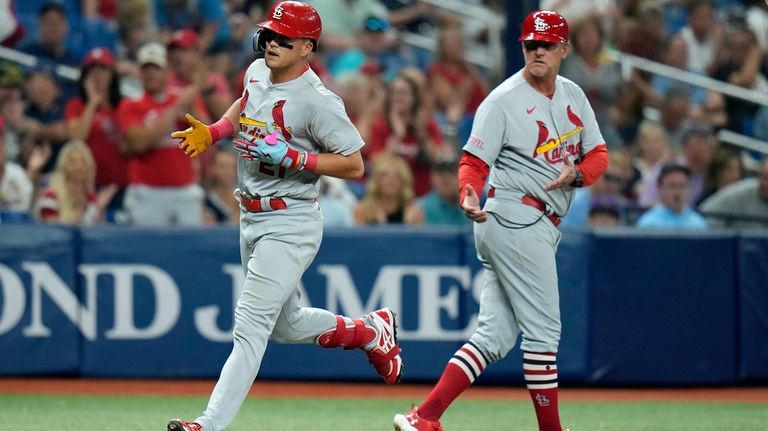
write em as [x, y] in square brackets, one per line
[522, 135]
[276, 247]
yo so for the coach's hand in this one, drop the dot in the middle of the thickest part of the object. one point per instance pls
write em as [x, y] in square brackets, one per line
[272, 149]
[567, 175]
[194, 140]
[471, 206]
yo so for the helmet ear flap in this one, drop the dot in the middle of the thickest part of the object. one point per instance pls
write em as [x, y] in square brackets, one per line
[259, 43]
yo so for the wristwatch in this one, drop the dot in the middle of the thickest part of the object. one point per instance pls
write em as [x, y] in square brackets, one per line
[579, 181]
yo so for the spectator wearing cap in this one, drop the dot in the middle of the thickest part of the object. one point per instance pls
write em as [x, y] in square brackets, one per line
[92, 117]
[162, 180]
[208, 17]
[741, 205]
[343, 21]
[376, 47]
[188, 67]
[672, 212]
[441, 204]
[44, 114]
[53, 29]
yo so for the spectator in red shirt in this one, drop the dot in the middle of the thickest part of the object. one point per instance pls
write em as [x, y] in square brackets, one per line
[163, 187]
[91, 116]
[406, 130]
[71, 198]
[456, 84]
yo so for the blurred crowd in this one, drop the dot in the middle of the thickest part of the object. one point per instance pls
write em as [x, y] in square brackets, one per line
[83, 151]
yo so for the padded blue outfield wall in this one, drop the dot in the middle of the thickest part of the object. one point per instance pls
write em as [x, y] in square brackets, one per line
[637, 308]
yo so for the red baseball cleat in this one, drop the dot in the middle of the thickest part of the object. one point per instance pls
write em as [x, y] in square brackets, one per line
[413, 422]
[180, 425]
[383, 352]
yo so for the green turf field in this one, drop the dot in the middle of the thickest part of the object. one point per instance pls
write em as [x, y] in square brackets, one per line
[137, 413]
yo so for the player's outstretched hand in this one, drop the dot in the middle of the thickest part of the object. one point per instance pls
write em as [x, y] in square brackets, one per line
[196, 139]
[567, 175]
[471, 206]
[271, 149]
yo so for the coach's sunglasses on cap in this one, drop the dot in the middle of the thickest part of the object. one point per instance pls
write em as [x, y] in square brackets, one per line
[533, 45]
[263, 36]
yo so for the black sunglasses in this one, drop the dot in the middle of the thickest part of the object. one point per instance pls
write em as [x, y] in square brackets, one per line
[265, 36]
[533, 45]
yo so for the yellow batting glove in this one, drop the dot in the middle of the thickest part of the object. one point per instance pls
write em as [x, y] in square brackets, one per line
[196, 139]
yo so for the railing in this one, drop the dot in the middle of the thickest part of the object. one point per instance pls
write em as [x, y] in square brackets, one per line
[28, 60]
[481, 17]
[629, 62]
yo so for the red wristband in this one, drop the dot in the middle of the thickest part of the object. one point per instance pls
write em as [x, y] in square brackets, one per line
[221, 129]
[311, 162]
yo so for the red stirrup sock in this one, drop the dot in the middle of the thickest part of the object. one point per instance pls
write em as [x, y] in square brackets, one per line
[462, 370]
[349, 333]
[540, 371]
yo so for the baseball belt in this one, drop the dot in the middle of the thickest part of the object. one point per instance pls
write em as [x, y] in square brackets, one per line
[258, 204]
[535, 203]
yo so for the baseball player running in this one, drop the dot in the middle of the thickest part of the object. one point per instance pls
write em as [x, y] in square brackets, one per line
[537, 136]
[291, 130]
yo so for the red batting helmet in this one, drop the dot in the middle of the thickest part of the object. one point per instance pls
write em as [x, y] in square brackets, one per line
[544, 25]
[292, 19]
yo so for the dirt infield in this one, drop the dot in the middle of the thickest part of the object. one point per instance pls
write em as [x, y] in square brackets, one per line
[340, 390]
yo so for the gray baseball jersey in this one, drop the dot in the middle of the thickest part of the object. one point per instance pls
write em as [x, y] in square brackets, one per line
[308, 116]
[276, 247]
[522, 134]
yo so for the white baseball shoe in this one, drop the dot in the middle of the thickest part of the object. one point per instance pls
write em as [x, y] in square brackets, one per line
[411, 421]
[383, 352]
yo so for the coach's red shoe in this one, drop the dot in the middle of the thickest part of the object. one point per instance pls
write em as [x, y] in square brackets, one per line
[180, 425]
[383, 352]
[413, 422]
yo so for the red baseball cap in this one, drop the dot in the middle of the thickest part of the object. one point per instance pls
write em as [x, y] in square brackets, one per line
[99, 56]
[544, 25]
[184, 38]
